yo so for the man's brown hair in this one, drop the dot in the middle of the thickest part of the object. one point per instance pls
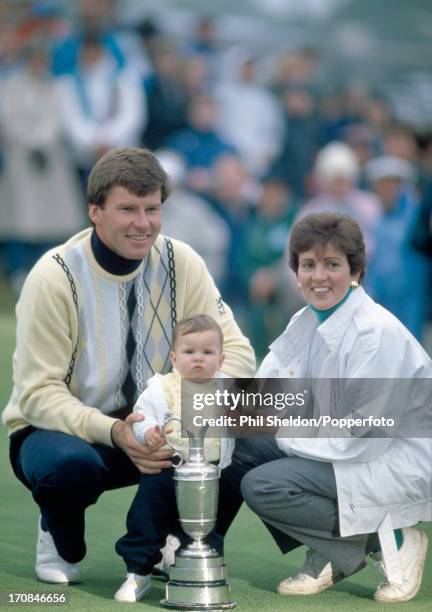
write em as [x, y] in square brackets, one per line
[137, 170]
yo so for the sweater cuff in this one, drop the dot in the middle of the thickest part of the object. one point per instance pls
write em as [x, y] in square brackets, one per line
[99, 428]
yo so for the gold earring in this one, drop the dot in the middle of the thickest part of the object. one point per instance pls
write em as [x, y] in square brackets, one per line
[354, 284]
[298, 287]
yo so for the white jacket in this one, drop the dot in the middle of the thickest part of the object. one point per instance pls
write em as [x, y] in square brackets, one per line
[382, 483]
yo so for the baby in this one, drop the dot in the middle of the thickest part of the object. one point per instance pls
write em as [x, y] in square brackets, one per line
[196, 355]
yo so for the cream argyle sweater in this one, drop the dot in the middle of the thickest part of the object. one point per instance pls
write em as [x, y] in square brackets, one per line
[72, 328]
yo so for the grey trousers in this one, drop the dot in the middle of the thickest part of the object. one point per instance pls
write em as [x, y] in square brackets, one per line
[297, 500]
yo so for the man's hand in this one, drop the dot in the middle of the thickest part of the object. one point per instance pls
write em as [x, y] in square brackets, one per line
[148, 461]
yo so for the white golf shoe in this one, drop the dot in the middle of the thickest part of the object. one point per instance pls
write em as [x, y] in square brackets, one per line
[412, 557]
[133, 588]
[50, 567]
[161, 570]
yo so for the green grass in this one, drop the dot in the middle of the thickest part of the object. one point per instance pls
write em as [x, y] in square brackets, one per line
[7, 297]
[255, 565]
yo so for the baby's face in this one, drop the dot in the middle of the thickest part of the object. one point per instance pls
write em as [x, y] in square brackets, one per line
[198, 355]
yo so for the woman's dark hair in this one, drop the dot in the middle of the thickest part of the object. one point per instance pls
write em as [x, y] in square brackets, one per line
[318, 230]
[137, 170]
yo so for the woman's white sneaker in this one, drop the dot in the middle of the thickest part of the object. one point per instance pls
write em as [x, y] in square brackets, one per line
[133, 588]
[306, 582]
[412, 557]
[50, 567]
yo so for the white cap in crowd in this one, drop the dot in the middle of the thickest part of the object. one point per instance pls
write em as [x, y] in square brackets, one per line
[389, 167]
[336, 160]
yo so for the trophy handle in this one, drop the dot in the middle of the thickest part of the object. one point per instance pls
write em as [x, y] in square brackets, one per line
[176, 450]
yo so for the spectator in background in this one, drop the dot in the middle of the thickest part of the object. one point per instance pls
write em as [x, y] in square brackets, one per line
[123, 44]
[200, 144]
[300, 68]
[204, 41]
[378, 114]
[195, 76]
[422, 233]
[425, 161]
[10, 49]
[399, 141]
[249, 115]
[190, 218]
[95, 16]
[343, 109]
[336, 172]
[39, 191]
[231, 196]
[43, 21]
[103, 105]
[301, 140]
[422, 242]
[166, 96]
[262, 266]
[365, 144]
[397, 275]
[204, 44]
[148, 33]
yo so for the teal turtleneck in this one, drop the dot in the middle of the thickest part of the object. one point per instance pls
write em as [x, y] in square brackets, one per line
[323, 315]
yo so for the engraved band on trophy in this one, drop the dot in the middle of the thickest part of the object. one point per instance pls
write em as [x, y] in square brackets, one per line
[197, 580]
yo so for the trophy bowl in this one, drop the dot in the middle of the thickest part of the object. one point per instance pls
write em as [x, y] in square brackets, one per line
[197, 500]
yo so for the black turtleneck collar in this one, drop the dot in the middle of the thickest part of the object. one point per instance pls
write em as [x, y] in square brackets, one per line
[110, 261]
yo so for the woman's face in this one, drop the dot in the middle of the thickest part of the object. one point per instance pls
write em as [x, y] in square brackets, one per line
[324, 276]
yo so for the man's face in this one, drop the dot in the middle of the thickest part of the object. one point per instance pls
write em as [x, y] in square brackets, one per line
[128, 224]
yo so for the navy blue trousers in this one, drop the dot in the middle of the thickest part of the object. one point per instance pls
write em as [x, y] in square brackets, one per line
[153, 515]
[66, 475]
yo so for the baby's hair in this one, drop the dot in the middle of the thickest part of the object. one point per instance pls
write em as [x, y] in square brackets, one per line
[197, 323]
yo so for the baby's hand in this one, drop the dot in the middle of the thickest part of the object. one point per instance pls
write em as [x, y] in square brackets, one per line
[153, 438]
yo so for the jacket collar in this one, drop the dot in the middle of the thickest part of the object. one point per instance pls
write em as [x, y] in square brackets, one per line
[295, 339]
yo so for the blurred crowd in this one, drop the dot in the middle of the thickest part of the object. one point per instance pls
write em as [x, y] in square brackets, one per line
[250, 143]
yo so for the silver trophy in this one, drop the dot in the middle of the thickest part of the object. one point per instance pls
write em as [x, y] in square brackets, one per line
[197, 580]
